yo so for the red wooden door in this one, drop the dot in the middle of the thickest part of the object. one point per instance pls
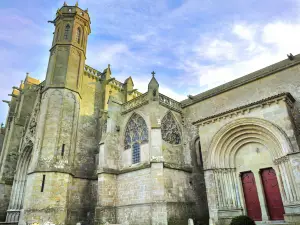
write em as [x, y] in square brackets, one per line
[251, 196]
[272, 194]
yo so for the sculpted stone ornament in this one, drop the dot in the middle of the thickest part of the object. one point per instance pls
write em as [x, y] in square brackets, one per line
[169, 129]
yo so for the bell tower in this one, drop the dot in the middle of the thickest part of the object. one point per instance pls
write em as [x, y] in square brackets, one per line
[50, 173]
[68, 51]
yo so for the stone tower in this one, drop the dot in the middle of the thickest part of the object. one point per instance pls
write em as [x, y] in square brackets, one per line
[50, 172]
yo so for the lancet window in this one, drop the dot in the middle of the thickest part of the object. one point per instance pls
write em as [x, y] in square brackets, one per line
[67, 31]
[78, 34]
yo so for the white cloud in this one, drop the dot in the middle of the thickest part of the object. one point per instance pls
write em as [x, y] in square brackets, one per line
[244, 31]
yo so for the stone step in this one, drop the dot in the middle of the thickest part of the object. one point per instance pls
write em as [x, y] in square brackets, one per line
[9, 223]
[272, 223]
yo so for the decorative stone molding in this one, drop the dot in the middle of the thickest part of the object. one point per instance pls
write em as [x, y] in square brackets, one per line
[92, 72]
[135, 103]
[29, 134]
[242, 110]
[170, 103]
[222, 155]
[281, 160]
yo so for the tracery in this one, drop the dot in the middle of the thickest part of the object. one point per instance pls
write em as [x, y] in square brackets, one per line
[169, 129]
[136, 131]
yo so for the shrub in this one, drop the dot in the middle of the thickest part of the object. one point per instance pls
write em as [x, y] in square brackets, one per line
[242, 220]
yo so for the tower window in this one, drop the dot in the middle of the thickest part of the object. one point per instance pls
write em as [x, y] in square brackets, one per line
[136, 153]
[43, 183]
[63, 150]
[78, 34]
[57, 35]
[67, 30]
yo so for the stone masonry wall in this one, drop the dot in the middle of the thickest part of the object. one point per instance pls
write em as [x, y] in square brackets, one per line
[49, 205]
[5, 191]
[82, 201]
[179, 195]
[134, 187]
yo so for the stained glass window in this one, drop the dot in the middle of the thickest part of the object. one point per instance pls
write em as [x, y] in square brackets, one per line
[67, 30]
[136, 156]
[136, 131]
[169, 129]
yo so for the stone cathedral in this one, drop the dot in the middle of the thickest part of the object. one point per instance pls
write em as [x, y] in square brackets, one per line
[81, 147]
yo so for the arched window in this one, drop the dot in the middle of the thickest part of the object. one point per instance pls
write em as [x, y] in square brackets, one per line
[57, 35]
[78, 34]
[169, 129]
[67, 30]
[136, 133]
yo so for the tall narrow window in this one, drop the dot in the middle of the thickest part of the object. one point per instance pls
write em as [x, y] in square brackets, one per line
[136, 133]
[43, 183]
[136, 153]
[78, 34]
[57, 35]
[67, 30]
[63, 150]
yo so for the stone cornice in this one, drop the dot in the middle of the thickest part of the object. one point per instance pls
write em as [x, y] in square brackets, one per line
[277, 67]
[287, 97]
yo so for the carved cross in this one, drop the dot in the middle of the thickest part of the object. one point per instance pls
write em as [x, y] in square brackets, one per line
[153, 73]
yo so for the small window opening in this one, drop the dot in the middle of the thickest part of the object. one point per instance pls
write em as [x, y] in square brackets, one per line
[78, 34]
[63, 150]
[57, 35]
[43, 183]
[67, 30]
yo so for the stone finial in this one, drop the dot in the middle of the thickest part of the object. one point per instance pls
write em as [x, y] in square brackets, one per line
[108, 66]
[2, 125]
[65, 4]
[153, 73]
[76, 4]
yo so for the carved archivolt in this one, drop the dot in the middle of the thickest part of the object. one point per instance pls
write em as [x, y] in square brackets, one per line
[136, 131]
[232, 136]
[170, 131]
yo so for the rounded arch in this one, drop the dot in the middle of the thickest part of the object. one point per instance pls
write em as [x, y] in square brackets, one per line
[232, 136]
[195, 147]
[78, 35]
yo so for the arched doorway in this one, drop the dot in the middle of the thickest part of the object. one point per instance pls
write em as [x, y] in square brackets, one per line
[237, 154]
[18, 189]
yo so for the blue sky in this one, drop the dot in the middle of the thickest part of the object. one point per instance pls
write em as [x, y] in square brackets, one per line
[193, 45]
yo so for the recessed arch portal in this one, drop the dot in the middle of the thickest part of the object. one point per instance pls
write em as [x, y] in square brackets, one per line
[18, 189]
[230, 138]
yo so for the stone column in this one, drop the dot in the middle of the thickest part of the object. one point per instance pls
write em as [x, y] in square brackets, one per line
[261, 196]
[159, 207]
